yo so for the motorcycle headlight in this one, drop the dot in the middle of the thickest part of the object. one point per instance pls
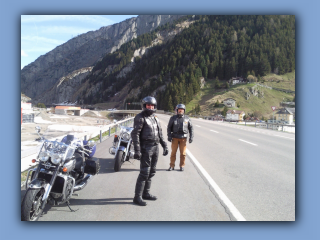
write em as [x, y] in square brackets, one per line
[125, 136]
[43, 156]
[56, 159]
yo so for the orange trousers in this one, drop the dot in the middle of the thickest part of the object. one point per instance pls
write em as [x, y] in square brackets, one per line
[182, 144]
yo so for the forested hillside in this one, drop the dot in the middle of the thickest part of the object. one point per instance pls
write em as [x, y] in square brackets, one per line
[212, 47]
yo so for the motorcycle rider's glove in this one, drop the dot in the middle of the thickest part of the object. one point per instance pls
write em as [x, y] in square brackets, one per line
[190, 140]
[165, 151]
[169, 139]
[137, 155]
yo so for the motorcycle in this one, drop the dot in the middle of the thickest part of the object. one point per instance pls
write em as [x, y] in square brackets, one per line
[64, 167]
[122, 147]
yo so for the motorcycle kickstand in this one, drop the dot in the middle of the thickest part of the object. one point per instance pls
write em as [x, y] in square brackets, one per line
[70, 207]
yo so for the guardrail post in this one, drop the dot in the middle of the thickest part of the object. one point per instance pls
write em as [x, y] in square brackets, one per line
[109, 131]
[255, 124]
[282, 127]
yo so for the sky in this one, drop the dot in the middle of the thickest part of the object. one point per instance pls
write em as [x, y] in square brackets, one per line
[42, 33]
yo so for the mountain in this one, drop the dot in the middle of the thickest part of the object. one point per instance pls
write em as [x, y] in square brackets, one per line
[174, 60]
[84, 51]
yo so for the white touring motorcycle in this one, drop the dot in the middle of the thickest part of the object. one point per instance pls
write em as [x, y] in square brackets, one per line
[122, 147]
[64, 167]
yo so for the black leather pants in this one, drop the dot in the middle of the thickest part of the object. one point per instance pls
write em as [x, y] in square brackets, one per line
[148, 164]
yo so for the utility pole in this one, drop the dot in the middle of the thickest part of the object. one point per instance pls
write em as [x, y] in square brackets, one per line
[273, 108]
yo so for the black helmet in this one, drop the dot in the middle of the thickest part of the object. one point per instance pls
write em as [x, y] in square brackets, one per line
[181, 106]
[149, 100]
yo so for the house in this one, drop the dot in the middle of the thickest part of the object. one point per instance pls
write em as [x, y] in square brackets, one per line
[236, 80]
[293, 110]
[235, 115]
[283, 116]
[229, 102]
[288, 104]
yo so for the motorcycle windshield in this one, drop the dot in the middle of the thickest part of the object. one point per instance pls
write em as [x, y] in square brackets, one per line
[61, 141]
[126, 129]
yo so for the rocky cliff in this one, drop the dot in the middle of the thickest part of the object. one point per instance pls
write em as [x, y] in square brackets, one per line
[82, 52]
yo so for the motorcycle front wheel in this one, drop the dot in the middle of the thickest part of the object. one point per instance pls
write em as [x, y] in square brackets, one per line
[30, 207]
[118, 160]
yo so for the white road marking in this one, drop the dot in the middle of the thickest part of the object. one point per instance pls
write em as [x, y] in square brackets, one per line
[248, 142]
[283, 137]
[225, 200]
[214, 131]
[198, 126]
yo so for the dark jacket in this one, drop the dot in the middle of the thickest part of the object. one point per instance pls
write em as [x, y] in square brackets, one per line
[179, 127]
[144, 132]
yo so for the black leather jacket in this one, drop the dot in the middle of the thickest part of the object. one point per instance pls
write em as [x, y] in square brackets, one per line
[183, 123]
[144, 132]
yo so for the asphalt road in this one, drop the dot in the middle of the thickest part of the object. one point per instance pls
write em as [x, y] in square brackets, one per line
[255, 168]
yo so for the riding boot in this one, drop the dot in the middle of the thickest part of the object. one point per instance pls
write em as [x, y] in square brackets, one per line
[146, 195]
[138, 193]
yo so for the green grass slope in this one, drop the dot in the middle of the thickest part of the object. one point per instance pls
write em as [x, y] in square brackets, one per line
[208, 96]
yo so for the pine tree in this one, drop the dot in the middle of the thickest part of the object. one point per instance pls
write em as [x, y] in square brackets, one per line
[170, 105]
[224, 111]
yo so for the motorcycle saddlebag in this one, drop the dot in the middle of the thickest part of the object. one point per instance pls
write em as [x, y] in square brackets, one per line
[92, 166]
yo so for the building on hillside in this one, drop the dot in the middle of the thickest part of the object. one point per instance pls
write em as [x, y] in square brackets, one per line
[283, 116]
[229, 102]
[288, 104]
[26, 107]
[67, 110]
[237, 80]
[293, 110]
[27, 114]
[235, 115]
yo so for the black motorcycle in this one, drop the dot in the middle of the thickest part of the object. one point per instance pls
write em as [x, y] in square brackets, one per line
[64, 167]
[122, 147]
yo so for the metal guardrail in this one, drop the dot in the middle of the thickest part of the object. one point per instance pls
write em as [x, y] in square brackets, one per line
[85, 136]
[266, 125]
[125, 122]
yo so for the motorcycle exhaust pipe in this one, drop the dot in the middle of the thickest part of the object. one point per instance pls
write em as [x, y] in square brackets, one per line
[83, 183]
[112, 150]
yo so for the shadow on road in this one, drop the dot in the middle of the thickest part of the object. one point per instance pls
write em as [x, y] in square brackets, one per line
[74, 203]
[104, 201]
[107, 166]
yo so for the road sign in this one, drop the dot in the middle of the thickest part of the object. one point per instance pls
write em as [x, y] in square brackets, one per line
[273, 108]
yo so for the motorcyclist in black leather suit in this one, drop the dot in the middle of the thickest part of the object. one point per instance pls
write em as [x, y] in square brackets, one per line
[146, 136]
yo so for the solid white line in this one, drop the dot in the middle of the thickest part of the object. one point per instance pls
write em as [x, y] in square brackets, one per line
[214, 131]
[283, 137]
[233, 210]
[248, 142]
[198, 126]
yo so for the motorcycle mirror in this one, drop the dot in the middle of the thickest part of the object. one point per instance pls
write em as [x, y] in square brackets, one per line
[91, 143]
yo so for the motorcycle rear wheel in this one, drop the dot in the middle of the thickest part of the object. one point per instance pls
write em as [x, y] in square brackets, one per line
[118, 160]
[30, 207]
